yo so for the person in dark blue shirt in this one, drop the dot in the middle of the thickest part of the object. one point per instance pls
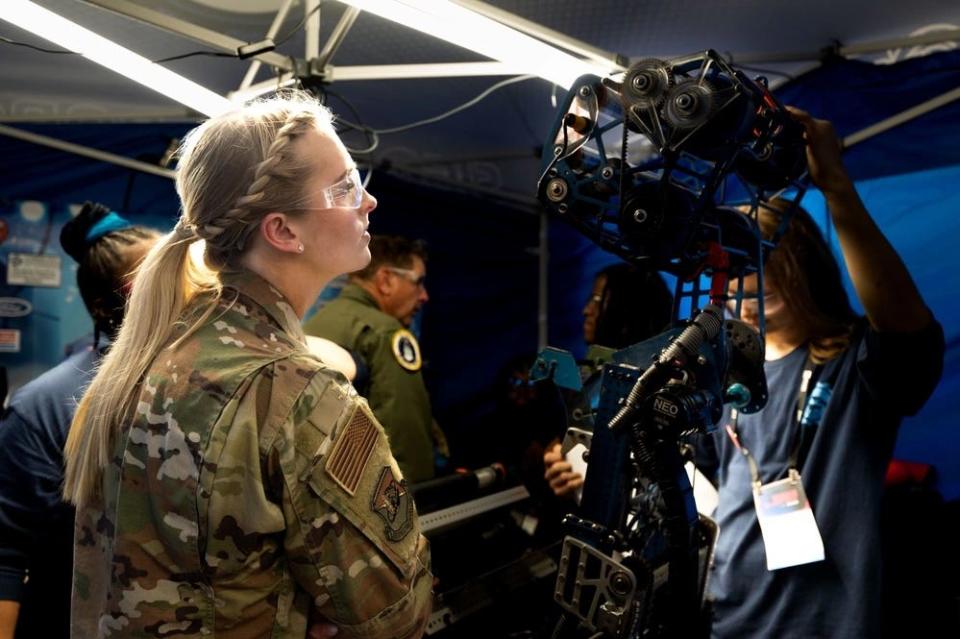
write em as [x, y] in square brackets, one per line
[628, 304]
[36, 526]
[864, 374]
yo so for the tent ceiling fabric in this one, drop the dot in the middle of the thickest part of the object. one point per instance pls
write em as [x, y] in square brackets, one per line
[491, 145]
[655, 28]
[33, 80]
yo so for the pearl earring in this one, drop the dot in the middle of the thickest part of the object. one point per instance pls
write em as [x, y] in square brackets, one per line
[300, 248]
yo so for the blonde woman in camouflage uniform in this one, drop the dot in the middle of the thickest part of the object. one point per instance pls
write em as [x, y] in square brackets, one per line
[226, 481]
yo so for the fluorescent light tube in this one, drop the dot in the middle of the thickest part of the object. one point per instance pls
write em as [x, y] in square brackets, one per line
[72, 36]
[470, 30]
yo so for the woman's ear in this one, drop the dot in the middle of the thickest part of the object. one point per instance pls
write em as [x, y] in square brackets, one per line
[277, 232]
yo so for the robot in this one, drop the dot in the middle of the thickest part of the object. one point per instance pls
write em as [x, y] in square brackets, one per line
[647, 164]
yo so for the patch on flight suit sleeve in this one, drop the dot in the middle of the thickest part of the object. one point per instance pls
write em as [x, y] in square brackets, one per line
[391, 500]
[406, 350]
[352, 450]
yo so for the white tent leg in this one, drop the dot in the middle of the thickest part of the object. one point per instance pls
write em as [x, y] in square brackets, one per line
[312, 28]
[931, 37]
[336, 38]
[543, 259]
[383, 72]
[85, 151]
[902, 117]
[874, 46]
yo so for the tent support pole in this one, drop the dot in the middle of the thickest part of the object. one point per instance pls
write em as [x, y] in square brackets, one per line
[211, 38]
[271, 34]
[543, 262]
[126, 117]
[901, 118]
[311, 29]
[934, 37]
[385, 72]
[340, 31]
[85, 151]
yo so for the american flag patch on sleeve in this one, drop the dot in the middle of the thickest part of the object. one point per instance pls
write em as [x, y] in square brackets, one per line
[352, 451]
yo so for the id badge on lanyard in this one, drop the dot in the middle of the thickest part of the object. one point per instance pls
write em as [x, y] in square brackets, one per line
[790, 533]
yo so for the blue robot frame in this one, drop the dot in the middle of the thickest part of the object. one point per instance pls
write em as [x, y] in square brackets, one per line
[649, 165]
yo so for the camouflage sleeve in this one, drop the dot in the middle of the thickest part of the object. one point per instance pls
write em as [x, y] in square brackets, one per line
[352, 539]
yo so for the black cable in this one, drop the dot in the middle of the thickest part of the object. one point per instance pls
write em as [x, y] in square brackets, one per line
[218, 54]
[215, 54]
[36, 48]
[457, 109]
[446, 114]
[289, 34]
[371, 133]
[372, 138]
[376, 133]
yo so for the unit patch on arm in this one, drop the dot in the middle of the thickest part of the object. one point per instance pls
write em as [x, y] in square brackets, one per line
[392, 502]
[406, 350]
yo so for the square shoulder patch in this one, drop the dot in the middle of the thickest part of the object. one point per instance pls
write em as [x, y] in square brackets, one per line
[393, 503]
[352, 450]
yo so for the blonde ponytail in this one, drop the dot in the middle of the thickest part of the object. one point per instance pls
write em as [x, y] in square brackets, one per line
[165, 283]
[233, 169]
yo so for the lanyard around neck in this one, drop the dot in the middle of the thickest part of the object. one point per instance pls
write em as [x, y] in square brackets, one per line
[803, 436]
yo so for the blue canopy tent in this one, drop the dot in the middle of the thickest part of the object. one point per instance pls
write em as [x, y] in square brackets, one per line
[484, 278]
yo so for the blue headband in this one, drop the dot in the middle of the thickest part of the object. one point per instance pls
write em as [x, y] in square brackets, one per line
[107, 224]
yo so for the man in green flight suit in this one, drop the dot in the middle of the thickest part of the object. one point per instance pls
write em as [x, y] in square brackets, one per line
[371, 318]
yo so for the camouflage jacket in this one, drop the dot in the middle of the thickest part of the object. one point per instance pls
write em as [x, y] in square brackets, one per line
[251, 490]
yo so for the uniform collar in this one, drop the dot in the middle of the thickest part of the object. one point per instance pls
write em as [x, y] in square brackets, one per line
[260, 291]
[359, 294]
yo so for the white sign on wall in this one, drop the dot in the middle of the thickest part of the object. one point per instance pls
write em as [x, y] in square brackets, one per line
[24, 269]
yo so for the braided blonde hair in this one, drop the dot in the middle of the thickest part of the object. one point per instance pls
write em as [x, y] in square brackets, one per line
[247, 159]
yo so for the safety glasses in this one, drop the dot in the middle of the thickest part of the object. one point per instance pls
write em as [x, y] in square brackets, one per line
[420, 281]
[347, 193]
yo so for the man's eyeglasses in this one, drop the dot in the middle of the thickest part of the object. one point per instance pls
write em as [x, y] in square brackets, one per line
[347, 193]
[410, 275]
